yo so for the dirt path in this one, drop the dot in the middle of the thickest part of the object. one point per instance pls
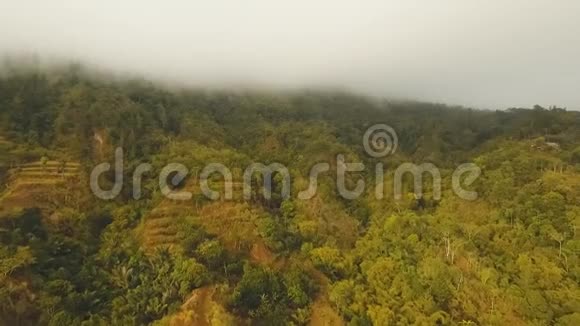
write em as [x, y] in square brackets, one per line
[323, 314]
[200, 303]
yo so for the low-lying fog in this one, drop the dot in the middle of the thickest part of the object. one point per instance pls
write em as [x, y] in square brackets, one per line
[488, 54]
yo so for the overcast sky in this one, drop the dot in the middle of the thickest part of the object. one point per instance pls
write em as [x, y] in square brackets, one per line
[487, 54]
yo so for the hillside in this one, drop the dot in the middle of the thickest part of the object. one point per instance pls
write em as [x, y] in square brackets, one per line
[67, 257]
[36, 184]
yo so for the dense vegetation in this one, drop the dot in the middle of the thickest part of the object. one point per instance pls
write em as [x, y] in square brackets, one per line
[67, 258]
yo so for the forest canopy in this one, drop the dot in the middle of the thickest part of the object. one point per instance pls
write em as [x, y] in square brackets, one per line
[68, 258]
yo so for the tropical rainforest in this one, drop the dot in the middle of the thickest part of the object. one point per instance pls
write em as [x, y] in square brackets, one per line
[509, 257]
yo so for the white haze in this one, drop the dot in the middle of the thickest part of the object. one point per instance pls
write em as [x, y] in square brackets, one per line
[488, 54]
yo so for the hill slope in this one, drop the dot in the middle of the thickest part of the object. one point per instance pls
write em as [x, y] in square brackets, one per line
[511, 256]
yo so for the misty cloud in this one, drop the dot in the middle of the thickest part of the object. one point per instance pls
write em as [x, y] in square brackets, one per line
[492, 54]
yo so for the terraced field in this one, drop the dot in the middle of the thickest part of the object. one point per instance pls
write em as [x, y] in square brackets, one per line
[234, 222]
[5, 146]
[161, 225]
[3, 141]
[28, 183]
